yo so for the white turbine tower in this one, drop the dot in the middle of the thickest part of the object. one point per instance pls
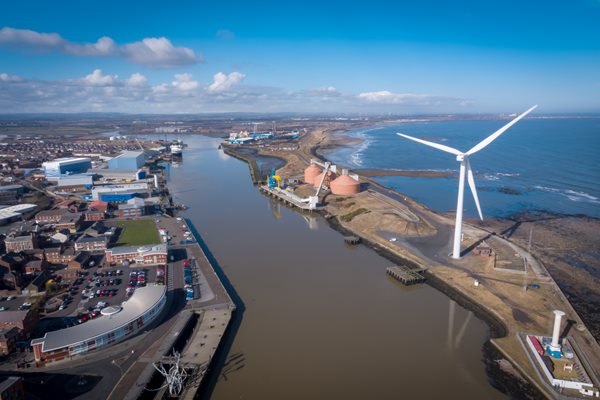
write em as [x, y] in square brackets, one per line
[465, 166]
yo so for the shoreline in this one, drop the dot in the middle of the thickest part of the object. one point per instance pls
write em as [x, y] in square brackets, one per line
[504, 381]
[451, 282]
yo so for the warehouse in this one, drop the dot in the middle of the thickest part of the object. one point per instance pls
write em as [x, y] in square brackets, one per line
[97, 191]
[128, 160]
[76, 181]
[67, 166]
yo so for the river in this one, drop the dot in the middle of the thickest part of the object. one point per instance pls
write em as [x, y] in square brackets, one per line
[321, 319]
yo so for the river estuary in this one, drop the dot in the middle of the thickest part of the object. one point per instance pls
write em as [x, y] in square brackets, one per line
[321, 320]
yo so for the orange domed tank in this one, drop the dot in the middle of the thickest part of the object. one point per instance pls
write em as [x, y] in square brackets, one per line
[330, 177]
[345, 186]
[310, 173]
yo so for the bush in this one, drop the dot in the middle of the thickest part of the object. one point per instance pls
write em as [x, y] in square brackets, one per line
[348, 217]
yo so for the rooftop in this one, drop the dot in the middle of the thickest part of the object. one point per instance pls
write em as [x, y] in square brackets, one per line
[12, 316]
[129, 153]
[157, 248]
[142, 300]
[14, 211]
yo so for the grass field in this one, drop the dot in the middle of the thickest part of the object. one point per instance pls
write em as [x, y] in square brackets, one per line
[137, 233]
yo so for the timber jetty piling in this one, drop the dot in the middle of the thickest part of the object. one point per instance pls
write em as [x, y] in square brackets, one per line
[406, 275]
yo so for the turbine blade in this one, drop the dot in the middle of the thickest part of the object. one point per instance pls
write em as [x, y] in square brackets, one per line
[432, 144]
[471, 180]
[499, 132]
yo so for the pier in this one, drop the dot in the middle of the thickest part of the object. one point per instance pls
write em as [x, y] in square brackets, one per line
[406, 275]
[288, 198]
[352, 239]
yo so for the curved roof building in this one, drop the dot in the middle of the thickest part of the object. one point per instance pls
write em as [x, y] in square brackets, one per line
[135, 314]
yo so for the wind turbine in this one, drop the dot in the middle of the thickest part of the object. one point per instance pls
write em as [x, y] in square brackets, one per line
[465, 166]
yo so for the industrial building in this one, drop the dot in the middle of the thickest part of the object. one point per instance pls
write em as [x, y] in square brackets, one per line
[66, 166]
[119, 174]
[75, 181]
[115, 324]
[128, 160]
[129, 190]
[14, 213]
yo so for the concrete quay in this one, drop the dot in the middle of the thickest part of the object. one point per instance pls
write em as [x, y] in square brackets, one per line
[195, 332]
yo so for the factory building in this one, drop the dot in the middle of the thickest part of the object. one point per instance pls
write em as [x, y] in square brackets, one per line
[14, 213]
[67, 166]
[75, 182]
[130, 189]
[128, 161]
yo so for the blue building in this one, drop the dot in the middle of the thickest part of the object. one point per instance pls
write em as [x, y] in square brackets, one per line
[67, 166]
[117, 197]
[128, 160]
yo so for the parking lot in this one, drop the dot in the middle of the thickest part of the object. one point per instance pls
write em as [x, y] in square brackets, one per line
[79, 301]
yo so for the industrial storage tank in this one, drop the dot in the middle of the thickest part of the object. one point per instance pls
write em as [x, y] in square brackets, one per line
[345, 185]
[310, 173]
[330, 177]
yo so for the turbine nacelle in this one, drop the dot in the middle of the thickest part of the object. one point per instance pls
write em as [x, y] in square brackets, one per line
[460, 157]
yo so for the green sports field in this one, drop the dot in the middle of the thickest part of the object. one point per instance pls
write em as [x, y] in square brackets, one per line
[137, 233]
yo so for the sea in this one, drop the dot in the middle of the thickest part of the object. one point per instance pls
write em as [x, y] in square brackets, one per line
[540, 164]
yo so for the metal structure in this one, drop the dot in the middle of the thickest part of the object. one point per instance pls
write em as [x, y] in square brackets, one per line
[174, 378]
[325, 170]
[465, 169]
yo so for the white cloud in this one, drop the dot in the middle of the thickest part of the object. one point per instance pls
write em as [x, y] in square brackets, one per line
[409, 99]
[325, 91]
[222, 82]
[185, 82]
[100, 91]
[225, 34]
[4, 77]
[137, 79]
[97, 78]
[151, 52]
[158, 52]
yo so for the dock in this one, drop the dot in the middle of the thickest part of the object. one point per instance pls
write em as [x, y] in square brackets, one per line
[288, 198]
[406, 275]
[352, 239]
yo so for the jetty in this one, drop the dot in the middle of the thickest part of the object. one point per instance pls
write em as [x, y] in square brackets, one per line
[406, 275]
[288, 198]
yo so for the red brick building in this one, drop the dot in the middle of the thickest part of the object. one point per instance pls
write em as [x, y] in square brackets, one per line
[25, 320]
[146, 255]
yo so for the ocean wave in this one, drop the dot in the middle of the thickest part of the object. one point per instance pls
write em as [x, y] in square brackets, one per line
[356, 158]
[496, 176]
[572, 195]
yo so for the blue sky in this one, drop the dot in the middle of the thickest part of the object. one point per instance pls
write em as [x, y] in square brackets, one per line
[368, 57]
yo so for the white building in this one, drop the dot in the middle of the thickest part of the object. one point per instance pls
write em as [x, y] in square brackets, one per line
[67, 166]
